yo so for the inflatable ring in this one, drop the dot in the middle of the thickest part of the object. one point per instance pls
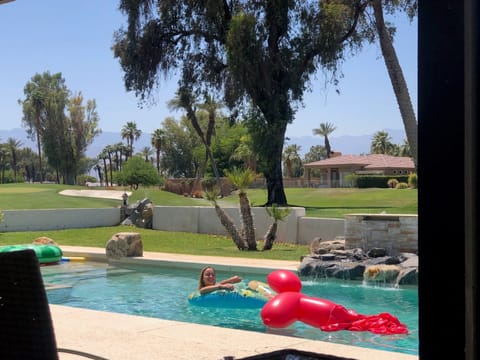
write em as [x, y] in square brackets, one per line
[242, 297]
[46, 254]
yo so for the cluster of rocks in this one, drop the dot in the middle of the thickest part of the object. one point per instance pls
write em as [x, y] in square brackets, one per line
[330, 259]
[139, 214]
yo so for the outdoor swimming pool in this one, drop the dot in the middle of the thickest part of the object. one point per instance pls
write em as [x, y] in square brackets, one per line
[162, 292]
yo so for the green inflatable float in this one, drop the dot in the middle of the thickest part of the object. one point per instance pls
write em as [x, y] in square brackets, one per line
[46, 254]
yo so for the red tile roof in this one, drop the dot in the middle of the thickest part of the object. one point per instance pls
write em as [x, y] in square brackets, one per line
[366, 162]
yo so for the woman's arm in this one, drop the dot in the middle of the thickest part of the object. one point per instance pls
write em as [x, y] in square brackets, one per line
[219, 286]
[231, 280]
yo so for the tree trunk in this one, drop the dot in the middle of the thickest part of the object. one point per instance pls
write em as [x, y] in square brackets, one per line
[273, 172]
[231, 228]
[270, 237]
[247, 221]
[397, 79]
[193, 119]
[39, 148]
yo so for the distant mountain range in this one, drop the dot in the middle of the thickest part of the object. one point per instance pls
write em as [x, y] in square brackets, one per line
[346, 144]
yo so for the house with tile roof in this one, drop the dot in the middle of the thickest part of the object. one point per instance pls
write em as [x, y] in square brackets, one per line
[333, 172]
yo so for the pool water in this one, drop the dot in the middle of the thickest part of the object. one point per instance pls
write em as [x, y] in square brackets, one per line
[162, 292]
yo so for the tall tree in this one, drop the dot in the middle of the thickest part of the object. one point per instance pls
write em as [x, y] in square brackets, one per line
[57, 144]
[102, 157]
[3, 162]
[83, 124]
[261, 53]
[325, 130]
[186, 100]
[316, 153]
[157, 140]
[291, 155]
[131, 133]
[400, 88]
[178, 159]
[13, 146]
[245, 152]
[381, 143]
[147, 152]
[37, 92]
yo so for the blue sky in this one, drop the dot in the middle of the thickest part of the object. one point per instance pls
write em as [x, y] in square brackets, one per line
[74, 38]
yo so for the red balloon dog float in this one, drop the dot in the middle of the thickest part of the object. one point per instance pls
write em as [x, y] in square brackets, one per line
[291, 305]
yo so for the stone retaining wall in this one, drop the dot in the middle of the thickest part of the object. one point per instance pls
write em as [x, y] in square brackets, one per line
[395, 233]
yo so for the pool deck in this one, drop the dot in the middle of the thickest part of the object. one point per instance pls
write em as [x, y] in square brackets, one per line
[127, 337]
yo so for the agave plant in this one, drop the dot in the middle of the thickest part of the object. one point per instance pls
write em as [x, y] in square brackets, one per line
[277, 214]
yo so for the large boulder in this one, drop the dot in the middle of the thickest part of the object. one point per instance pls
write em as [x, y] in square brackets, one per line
[124, 244]
[43, 240]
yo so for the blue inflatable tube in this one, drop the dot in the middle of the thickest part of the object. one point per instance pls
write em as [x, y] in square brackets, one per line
[242, 297]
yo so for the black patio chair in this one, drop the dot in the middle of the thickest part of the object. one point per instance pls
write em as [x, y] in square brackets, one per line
[26, 326]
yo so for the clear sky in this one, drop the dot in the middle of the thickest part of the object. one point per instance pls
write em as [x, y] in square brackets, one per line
[75, 37]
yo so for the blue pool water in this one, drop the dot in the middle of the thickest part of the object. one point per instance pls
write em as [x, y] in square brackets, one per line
[162, 292]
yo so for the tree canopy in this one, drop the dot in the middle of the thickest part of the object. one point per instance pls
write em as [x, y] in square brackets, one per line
[61, 124]
[258, 56]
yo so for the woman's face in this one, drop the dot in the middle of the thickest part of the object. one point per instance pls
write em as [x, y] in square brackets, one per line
[209, 277]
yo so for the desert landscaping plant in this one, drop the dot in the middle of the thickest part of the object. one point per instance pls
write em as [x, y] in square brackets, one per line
[245, 238]
[277, 214]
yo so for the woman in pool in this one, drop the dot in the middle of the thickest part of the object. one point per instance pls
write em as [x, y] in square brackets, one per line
[208, 281]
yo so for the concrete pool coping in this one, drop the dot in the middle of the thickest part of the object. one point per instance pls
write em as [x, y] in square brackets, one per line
[119, 336]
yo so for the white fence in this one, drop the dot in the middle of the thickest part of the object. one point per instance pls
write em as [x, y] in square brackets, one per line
[296, 229]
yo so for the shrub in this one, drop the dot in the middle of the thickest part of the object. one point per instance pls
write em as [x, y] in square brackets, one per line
[83, 179]
[413, 180]
[351, 179]
[137, 171]
[402, 185]
[392, 183]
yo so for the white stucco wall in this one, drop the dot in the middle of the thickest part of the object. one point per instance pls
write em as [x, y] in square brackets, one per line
[55, 219]
[296, 229]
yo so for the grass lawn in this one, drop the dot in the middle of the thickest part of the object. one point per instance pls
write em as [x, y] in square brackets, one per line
[159, 241]
[335, 203]
[331, 203]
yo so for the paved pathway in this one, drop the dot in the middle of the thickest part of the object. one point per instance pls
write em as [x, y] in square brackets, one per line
[104, 194]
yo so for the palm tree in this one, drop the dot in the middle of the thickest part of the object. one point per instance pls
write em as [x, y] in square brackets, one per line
[157, 141]
[226, 220]
[244, 152]
[381, 143]
[290, 154]
[13, 147]
[397, 79]
[103, 156]
[131, 133]
[3, 161]
[33, 108]
[325, 130]
[405, 149]
[147, 152]
[277, 214]
[242, 179]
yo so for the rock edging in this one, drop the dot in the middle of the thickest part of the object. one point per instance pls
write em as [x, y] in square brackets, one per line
[330, 259]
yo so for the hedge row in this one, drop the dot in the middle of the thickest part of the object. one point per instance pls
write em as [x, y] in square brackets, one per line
[377, 181]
